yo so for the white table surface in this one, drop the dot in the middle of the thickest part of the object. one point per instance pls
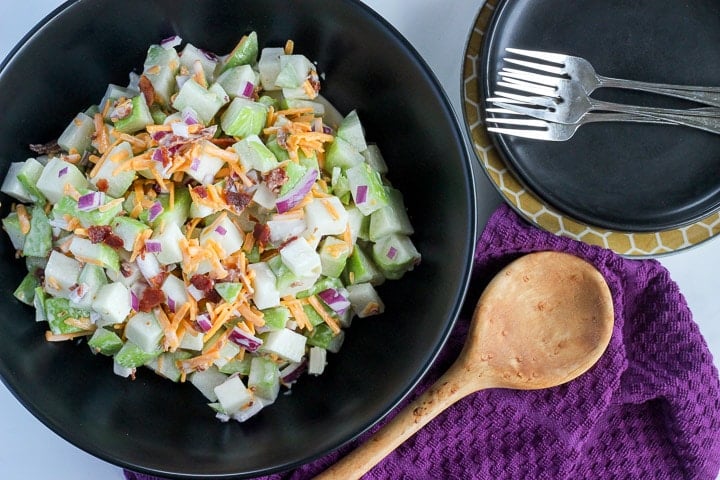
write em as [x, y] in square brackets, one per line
[438, 29]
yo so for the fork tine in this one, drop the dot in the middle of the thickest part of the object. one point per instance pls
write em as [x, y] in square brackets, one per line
[517, 132]
[528, 110]
[526, 122]
[529, 77]
[503, 111]
[547, 56]
[539, 101]
[529, 87]
[537, 66]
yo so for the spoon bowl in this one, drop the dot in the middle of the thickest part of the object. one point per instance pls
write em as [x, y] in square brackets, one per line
[542, 321]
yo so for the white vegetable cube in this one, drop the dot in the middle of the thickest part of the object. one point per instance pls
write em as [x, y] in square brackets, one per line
[12, 186]
[317, 361]
[284, 228]
[207, 163]
[264, 283]
[128, 229]
[169, 239]
[56, 175]
[365, 300]
[192, 341]
[175, 292]
[144, 330]
[119, 182]
[128, 275]
[301, 258]
[207, 380]
[77, 135]
[264, 197]
[113, 303]
[233, 395]
[200, 211]
[227, 353]
[269, 67]
[286, 344]
[61, 273]
[225, 233]
[254, 155]
[149, 265]
[122, 371]
[97, 253]
[326, 216]
[294, 69]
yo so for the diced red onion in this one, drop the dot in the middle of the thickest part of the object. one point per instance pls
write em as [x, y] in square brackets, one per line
[209, 55]
[90, 201]
[292, 372]
[155, 210]
[361, 194]
[203, 322]
[392, 253]
[327, 130]
[153, 246]
[62, 172]
[158, 136]
[248, 90]
[77, 293]
[149, 266]
[195, 164]
[171, 304]
[221, 230]
[334, 299]
[157, 155]
[244, 339]
[134, 301]
[180, 129]
[190, 117]
[298, 192]
[171, 42]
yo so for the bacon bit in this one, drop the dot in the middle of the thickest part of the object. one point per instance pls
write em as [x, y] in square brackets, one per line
[113, 241]
[201, 191]
[23, 218]
[318, 307]
[238, 200]
[125, 270]
[45, 148]
[261, 233]
[98, 233]
[147, 89]
[275, 178]
[223, 142]
[102, 185]
[202, 282]
[151, 298]
[62, 337]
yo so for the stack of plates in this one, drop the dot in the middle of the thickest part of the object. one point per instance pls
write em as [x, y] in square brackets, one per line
[638, 189]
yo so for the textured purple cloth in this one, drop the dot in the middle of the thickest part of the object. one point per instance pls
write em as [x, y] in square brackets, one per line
[650, 408]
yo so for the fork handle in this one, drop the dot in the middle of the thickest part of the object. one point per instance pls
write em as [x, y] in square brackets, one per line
[705, 95]
[709, 122]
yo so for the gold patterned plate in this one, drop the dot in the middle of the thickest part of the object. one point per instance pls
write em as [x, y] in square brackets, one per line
[529, 205]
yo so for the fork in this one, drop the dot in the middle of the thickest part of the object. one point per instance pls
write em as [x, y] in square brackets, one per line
[560, 132]
[582, 71]
[568, 103]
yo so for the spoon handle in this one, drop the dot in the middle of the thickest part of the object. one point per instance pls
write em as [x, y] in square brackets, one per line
[448, 389]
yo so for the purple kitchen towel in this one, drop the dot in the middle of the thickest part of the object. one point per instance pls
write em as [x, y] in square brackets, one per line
[649, 409]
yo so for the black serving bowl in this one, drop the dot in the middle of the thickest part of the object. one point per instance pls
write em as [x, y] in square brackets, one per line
[155, 426]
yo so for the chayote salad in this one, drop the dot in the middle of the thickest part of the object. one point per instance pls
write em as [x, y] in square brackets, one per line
[216, 221]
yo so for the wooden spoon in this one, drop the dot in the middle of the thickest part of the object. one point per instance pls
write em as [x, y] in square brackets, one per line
[542, 321]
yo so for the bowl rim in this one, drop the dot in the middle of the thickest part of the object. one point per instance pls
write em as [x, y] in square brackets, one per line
[460, 142]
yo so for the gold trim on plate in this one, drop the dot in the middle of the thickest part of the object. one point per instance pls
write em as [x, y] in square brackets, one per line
[528, 205]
